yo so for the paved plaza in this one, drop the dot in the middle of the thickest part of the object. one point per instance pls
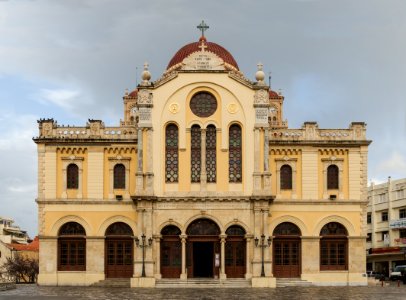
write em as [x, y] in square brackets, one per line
[292, 293]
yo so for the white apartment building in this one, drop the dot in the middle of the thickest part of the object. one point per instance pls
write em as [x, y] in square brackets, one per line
[386, 225]
[10, 233]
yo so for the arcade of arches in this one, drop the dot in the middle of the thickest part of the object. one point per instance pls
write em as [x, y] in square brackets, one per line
[203, 252]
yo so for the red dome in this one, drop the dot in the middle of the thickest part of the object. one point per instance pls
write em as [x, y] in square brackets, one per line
[133, 94]
[273, 94]
[185, 51]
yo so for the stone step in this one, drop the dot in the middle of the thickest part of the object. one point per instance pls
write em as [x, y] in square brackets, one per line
[202, 283]
[285, 282]
[113, 282]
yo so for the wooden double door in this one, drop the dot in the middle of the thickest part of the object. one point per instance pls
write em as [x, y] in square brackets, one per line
[235, 259]
[286, 257]
[171, 258]
[119, 261]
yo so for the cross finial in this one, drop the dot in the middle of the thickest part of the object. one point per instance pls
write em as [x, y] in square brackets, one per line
[202, 27]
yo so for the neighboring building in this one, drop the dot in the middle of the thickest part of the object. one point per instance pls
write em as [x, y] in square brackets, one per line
[202, 170]
[10, 233]
[386, 225]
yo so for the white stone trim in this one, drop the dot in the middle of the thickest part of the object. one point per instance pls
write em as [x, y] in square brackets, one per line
[339, 162]
[292, 162]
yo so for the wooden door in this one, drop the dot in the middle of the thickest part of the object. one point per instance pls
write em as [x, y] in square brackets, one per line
[119, 258]
[235, 258]
[171, 258]
[286, 258]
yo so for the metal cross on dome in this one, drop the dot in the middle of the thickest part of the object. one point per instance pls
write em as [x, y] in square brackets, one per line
[202, 27]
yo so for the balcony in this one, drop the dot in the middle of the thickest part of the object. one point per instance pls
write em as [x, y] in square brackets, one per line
[398, 224]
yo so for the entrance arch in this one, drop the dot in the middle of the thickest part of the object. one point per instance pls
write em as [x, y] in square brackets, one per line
[286, 250]
[171, 252]
[119, 251]
[203, 249]
[235, 252]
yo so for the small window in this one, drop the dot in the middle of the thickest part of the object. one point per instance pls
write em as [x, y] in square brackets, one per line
[402, 233]
[369, 237]
[119, 176]
[332, 177]
[384, 216]
[402, 213]
[72, 176]
[286, 177]
[369, 218]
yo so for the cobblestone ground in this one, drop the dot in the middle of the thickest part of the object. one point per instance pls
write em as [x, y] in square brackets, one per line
[33, 292]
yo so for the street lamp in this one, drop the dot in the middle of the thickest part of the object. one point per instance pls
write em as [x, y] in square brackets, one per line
[143, 245]
[262, 245]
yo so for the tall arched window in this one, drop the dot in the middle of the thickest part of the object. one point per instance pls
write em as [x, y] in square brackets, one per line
[171, 153]
[196, 155]
[234, 154]
[72, 176]
[72, 247]
[332, 177]
[119, 176]
[211, 156]
[333, 247]
[286, 177]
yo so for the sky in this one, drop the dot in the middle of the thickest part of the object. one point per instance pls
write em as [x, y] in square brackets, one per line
[334, 61]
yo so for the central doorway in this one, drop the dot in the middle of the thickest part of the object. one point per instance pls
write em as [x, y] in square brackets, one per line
[203, 249]
[203, 259]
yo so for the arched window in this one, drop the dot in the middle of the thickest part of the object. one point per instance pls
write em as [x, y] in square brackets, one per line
[333, 247]
[211, 156]
[286, 177]
[72, 247]
[119, 176]
[171, 153]
[72, 176]
[203, 227]
[332, 177]
[196, 155]
[234, 154]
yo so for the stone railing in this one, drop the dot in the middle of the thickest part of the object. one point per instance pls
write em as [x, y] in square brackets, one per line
[94, 129]
[311, 132]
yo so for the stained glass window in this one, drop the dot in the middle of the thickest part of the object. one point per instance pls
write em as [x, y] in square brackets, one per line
[119, 176]
[72, 176]
[203, 104]
[286, 177]
[171, 153]
[211, 153]
[332, 177]
[234, 154]
[196, 155]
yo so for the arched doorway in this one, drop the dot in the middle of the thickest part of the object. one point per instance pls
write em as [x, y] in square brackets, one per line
[286, 251]
[235, 252]
[171, 252]
[203, 249]
[119, 251]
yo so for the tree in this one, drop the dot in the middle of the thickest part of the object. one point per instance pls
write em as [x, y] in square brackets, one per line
[22, 268]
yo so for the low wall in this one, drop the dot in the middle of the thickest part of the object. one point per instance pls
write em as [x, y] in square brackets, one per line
[4, 286]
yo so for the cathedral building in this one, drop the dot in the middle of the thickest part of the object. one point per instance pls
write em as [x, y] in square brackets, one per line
[202, 179]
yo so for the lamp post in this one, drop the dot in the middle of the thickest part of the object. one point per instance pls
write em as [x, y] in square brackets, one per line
[262, 245]
[143, 245]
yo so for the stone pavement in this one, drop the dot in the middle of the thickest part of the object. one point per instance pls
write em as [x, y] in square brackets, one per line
[33, 292]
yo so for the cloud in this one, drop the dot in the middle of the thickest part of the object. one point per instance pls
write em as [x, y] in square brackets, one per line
[63, 98]
[393, 164]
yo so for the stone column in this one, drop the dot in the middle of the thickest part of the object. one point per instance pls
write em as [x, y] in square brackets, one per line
[157, 239]
[257, 174]
[223, 256]
[203, 173]
[183, 237]
[310, 256]
[139, 181]
[248, 250]
[150, 173]
[95, 259]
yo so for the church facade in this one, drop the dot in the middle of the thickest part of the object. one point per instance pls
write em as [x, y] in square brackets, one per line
[201, 179]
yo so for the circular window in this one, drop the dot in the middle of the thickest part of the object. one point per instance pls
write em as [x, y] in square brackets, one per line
[203, 104]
